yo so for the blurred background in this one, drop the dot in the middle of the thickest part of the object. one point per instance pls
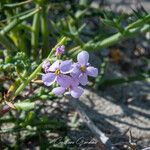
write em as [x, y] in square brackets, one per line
[117, 36]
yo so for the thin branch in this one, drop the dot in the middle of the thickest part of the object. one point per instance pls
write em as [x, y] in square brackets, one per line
[118, 37]
[18, 20]
[104, 140]
[17, 4]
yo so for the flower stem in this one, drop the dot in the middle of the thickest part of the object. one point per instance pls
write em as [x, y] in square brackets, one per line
[35, 34]
[139, 27]
[44, 30]
[17, 4]
[116, 38]
[6, 43]
[17, 21]
[140, 22]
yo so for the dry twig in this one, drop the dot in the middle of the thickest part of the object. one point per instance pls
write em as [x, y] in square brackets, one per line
[104, 141]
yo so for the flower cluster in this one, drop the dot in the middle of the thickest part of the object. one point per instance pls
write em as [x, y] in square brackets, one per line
[68, 75]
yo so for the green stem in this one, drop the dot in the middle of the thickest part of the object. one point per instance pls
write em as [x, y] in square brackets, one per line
[37, 70]
[140, 22]
[133, 29]
[6, 43]
[17, 21]
[16, 15]
[44, 30]
[35, 34]
[118, 37]
[17, 4]
[25, 26]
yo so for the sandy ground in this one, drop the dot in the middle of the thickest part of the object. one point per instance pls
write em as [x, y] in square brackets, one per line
[116, 110]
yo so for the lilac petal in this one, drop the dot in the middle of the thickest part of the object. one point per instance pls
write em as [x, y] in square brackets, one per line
[75, 71]
[46, 64]
[64, 81]
[58, 91]
[54, 66]
[83, 57]
[76, 92]
[74, 82]
[48, 78]
[66, 66]
[60, 50]
[91, 71]
[83, 79]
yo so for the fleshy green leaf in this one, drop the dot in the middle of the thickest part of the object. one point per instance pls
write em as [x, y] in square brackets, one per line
[25, 105]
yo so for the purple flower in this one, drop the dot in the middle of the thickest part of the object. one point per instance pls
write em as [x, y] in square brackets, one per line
[46, 65]
[74, 89]
[82, 68]
[60, 50]
[57, 73]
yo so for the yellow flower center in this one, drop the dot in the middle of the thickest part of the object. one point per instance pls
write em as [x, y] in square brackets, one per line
[57, 72]
[83, 68]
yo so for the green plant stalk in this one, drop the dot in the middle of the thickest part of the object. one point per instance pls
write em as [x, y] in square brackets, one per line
[140, 22]
[21, 42]
[36, 71]
[131, 30]
[35, 34]
[138, 77]
[25, 26]
[16, 16]
[6, 43]
[44, 30]
[17, 21]
[17, 4]
[116, 38]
